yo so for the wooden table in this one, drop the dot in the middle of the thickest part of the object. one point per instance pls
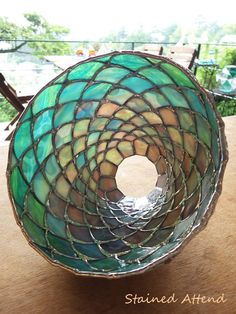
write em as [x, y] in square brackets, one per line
[206, 266]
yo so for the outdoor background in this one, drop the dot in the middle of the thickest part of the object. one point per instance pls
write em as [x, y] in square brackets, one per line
[33, 32]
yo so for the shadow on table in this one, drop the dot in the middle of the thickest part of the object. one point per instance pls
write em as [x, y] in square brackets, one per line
[99, 295]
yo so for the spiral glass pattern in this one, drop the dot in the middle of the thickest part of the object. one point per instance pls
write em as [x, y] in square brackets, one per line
[70, 141]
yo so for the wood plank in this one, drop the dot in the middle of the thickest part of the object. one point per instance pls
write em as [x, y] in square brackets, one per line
[206, 266]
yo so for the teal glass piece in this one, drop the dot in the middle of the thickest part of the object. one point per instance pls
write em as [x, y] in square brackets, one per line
[35, 209]
[119, 95]
[156, 100]
[90, 250]
[46, 98]
[72, 92]
[41, 187]
[156, 76]
[29, 164]
[43, 124]
[195, 102]
[136, 84]
[105, 264]
[63, 135]
[18, 186]
[70, 142]
[80, 160]
[179, 77]
[132, 62]
[51, 168]
[36, 234]
[44, 147]
[93, 137]
[96, 91]
[112, 75]
[56, 226]
[84, 71]
[64, 114]
[175, 98]
[22, 138]
[72, 263]
[60, 245]
[27, 115]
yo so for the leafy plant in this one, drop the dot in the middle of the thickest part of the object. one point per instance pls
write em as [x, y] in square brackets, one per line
[36, 36]
[226, 107]
[7, 112]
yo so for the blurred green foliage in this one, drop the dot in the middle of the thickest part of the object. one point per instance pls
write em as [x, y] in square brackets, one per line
[36, 29]
[7, 112]
[226, 107]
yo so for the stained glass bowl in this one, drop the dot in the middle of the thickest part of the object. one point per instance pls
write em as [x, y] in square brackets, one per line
[70, 141]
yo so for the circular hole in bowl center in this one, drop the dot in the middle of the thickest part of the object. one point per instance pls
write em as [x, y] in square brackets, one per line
[136, 176]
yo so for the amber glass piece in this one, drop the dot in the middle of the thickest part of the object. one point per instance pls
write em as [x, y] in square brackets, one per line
[107, 109]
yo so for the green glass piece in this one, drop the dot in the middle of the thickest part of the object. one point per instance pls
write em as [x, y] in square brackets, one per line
[80, 160]
[105, 264]
[91, 152]
[60, 245]
[63, 135]
[56, 226]
[132, 62]
[203, 130]
[44, 147]
[119, 96]
[72, 92]
[92, 164]
[186, 121]
[36, 209]
[137, 105]
[84, 71]
[215, 151]
[156, 76]
[211, 116]
[156, 100]
[22, 139]
[96, 91]
[136, 84]
[64, 114]
[46, 98]
[35, 233]
[73, 263]
[27, 114]
[98, 124]
[51, 169]
[153, 60]
[41, 188]
[29, 164]
[103, 58]
[195, 102]
[90, 250]
[13, 160]
[18, 186]
[112, 75]
[175, 98]
[179, 77]
[93, 138]
[43, 124]
[61, 78]
[137, 253]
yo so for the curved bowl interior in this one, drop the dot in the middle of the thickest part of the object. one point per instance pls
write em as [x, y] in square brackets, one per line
[73, 136]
